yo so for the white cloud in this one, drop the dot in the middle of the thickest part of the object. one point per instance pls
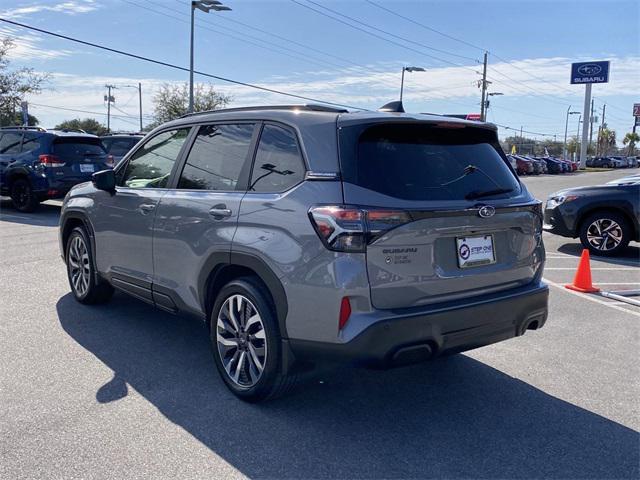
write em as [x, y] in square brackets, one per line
[27, 46]
[70, 8]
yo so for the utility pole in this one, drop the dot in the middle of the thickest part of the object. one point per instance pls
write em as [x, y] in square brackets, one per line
[604, 108]
[140, 102]
[109, 98]
[483, 109]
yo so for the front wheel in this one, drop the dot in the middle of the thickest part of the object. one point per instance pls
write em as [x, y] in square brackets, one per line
[246, 341]
[605, 233]
[22, 196]
[80, 270]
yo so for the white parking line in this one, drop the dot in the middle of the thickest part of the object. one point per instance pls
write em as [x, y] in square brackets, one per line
[590, 297]
[597, 268]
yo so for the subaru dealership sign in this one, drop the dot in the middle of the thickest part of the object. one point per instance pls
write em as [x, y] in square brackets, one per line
[590, 72]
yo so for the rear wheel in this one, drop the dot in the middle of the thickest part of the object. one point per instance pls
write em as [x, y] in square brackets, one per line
[80, 271]
[605, 233]
[246, 341]
[22, 196]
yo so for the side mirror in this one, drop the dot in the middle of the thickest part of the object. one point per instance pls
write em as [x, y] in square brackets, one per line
[104, 180]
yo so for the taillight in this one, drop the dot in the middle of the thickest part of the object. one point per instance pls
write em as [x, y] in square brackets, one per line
[351, 229]
[109, 162]
[50, 161]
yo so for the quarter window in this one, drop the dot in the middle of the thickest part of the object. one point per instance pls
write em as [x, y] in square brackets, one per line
[217, 158]
[278, 165]
[31, 142]
[10, 143]
[151, 165]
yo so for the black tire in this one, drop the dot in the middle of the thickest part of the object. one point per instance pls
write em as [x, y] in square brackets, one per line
[81, 270]
[272, 382]
[22, 196]
[589, 233]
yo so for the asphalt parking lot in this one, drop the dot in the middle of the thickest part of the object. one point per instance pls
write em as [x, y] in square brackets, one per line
[126, 391]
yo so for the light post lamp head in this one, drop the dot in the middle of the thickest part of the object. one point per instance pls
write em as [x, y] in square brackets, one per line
[208, 5]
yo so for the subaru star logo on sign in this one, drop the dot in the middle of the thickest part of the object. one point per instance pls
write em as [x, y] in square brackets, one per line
[590, 72]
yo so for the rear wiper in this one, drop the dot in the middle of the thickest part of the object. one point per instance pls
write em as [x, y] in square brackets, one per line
[486, 193]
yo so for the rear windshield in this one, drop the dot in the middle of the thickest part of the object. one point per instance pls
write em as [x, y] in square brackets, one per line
[119, 146]
[78, 147]
[425, 162]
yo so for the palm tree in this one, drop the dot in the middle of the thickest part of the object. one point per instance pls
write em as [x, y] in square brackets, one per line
[631, 138]
[606, 140]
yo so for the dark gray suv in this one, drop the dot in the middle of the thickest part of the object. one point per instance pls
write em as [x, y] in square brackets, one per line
[301, 234]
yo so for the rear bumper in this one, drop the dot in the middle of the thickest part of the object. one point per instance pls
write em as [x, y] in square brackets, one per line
[408, 337]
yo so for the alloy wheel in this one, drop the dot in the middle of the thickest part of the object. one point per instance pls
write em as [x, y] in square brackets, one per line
[21, 194]
[79, 267]
[241, 340]
[604, 234]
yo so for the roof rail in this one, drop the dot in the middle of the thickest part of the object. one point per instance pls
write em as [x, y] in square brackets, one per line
[24, 127]
[312, 107]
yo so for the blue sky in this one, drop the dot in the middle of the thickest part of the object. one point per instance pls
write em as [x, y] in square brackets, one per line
[296, 49]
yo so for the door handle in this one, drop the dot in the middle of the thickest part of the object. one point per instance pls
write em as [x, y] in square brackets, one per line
[146, 208]
[220, 211]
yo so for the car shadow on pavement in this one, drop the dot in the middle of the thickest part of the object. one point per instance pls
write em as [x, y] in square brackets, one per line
[47, 215]
[629, 257]
[454, 417]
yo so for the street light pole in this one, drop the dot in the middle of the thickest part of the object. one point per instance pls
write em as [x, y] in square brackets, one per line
[206, 6]
[578, 134]
[408, 69]
[566, 126]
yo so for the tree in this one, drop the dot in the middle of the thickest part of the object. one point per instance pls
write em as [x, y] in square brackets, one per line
[89, 125]
[15, 85]
[631, 139]
[606, 140]
[172, 101]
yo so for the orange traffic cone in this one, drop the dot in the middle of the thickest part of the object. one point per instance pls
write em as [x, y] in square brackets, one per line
[582, 280]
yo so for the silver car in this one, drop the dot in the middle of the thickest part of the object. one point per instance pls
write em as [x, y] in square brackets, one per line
[301, 234]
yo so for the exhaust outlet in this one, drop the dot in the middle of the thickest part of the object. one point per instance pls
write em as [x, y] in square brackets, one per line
[412, 354]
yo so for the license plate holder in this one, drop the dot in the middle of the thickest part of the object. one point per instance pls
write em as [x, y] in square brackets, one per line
[475, 251]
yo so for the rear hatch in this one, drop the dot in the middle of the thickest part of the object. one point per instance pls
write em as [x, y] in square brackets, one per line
[464, 225]
[82, 156]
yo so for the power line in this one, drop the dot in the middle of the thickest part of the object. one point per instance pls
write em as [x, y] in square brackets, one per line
[177, 67]
[84, 111]
[428, 47]
[322, 63]
[424, 26]
[393, 42]
[266, 32]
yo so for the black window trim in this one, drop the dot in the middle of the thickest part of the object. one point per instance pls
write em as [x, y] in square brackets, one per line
[245, 173]
[301, 151]
[125, 161]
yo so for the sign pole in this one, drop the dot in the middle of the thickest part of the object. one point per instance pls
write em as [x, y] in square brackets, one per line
[585, 131]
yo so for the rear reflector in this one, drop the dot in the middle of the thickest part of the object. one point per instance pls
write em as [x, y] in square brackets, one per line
[50, 161]
[345, 312]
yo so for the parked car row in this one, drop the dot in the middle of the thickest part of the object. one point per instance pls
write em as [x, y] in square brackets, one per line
[37, 164]
[613, 162]
[529, 165]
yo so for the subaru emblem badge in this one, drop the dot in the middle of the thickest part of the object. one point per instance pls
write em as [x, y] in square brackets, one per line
[486, 211]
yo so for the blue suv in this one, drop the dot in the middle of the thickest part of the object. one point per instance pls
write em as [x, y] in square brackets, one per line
[38, 164]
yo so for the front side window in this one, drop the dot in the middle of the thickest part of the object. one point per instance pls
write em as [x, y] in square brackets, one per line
[217, 158]
[151, 165]
[10, 143]
[278, 165]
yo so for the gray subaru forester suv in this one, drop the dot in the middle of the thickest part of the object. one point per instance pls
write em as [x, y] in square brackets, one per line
[305, 233]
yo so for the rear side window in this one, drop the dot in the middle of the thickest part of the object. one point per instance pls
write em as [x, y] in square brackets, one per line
[217, 158]
[77, 148]
[31, 142]
[425, 162]
[278, 165]
[10, 143]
